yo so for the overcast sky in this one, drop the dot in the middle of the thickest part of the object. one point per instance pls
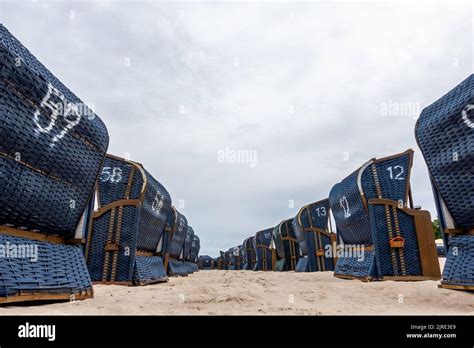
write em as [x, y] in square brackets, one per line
[311, 89]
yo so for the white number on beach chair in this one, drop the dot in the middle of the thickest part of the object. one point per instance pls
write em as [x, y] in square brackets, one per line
[321, 211]
[113, 175]
[57, 109]
[397, 176]
[345, 206]
[465, 116]
[157, 203]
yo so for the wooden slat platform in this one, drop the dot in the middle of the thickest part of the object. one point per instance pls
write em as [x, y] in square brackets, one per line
[108, 282]
[45, 297]
[456, 287]
[411, 278]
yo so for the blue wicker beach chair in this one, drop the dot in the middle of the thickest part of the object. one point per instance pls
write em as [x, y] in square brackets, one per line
[242, 256]
[51, 150]
[127, 226]
[250, 255]
[286, 245]
[266, 253]
[206, 262]
[195, 248]
[164, 244]
[221, 261]
[229, 257]
[312, 229]
[179, 230]
[445, 135]
[227, 263]
[162, 249]
[187, 250]
[194, 255]
[187, 243]
[383, 238]
[239, 256]
[234, 258]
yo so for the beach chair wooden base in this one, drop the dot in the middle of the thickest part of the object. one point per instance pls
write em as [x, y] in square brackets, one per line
[39, 280]
[46, 297]
[411, 278]
[99, 282]
[350, 277]
[143, 283]
[456, 287]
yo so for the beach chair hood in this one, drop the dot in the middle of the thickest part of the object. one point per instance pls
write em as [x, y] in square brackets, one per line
[52, 146]
[195, 247]
[370, 208]
[378, 178]
[128, 224]
[187, 243]
[314, 215]
[286, 246]
[178, 235]
[445, 135]
[265, 251]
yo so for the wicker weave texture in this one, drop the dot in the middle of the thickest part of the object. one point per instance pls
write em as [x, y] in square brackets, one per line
[459, 267]
[264, 254]
[445, 134]
[46, 269]
[357, 266]
[101, 268]
[148, 270]
[51, 149]
[180, 228]
[311, 216]
[121, 179]
[195, 247]
[250, 254]
[286, 245]
[347, 205]
[187, 243]
[206, 262]
[384, 178]
[177, 268]
[394, 261]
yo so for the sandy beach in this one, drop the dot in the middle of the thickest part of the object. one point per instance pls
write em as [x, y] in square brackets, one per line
[255, 293]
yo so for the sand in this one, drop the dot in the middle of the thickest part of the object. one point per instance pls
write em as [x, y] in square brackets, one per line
[246, 292]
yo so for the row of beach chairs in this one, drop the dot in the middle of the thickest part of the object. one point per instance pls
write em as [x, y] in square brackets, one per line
[379, 233]
[72, 215]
